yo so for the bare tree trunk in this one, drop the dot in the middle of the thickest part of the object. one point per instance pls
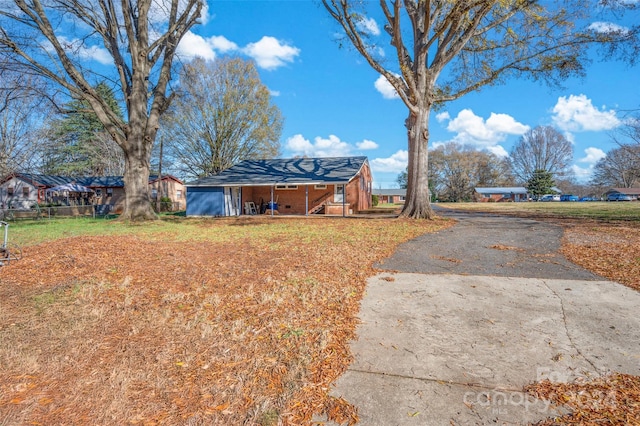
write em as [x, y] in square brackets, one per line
[136, 180]
[418, 204]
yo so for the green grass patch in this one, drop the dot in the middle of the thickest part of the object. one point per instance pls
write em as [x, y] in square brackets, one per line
[251, 230]
[608, 211]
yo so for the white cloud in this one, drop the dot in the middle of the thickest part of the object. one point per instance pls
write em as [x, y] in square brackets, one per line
[367, 145]
[593, 155]
[332, 146]
[396, 163]
[570, 137]
[473, 130]
[577, 113]
[608, 27]
[486, 134]
[98, 54]
[443, 116]
[383, 86]
[77, 48]
[368, 25]
[503, 123]
[582, 173]
[498, 150]
[222, 44]
[274, 93]
[204, 14]
[298, 144]
[193, 45]
[270, 53]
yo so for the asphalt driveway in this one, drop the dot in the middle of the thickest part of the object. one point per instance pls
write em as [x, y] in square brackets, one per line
[461, 320]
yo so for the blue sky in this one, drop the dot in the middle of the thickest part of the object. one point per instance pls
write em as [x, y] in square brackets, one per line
[334, 104]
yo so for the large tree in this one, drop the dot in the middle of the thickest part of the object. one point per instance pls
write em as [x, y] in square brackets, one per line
[445, 49]
[52, 38]
[619, 169]
[221, 114]
[542, 148]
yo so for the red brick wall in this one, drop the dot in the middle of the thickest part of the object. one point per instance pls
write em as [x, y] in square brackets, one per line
[292, 201]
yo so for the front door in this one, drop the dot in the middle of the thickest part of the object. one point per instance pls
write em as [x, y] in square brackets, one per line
[338, 195]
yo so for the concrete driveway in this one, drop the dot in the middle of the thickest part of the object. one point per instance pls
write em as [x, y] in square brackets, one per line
[466, 317]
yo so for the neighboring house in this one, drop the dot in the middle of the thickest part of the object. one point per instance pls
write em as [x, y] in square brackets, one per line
[24, 190]
[390, 196]
[633, 192]
[505, 193]
[298, 186]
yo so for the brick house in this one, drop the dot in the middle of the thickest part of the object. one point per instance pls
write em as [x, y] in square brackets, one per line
[499, 194]
[298, 186]
[390, 196]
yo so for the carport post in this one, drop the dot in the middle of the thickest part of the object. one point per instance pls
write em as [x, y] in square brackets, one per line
[306, 200]
[271, 205]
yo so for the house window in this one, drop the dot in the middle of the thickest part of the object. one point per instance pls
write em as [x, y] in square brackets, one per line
[109, 192]
[320, 187]
[99, 192]
[178, 194]
[25, 192]
[10, 191]
[154, 193]
[286, 187]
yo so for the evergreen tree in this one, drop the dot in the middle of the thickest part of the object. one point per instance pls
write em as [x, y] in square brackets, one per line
[540, 183]
[80, 145]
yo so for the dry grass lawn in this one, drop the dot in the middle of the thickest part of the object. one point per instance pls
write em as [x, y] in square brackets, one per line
[226, 321]
[201, 322]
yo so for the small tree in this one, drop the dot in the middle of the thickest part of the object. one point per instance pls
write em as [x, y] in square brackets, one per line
[222, 114]
[540, 183]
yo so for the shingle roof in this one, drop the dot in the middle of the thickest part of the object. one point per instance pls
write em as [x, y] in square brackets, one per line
[502, 190]
[293, 171]
[627, 191]
[50, 181]
[44, 180]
